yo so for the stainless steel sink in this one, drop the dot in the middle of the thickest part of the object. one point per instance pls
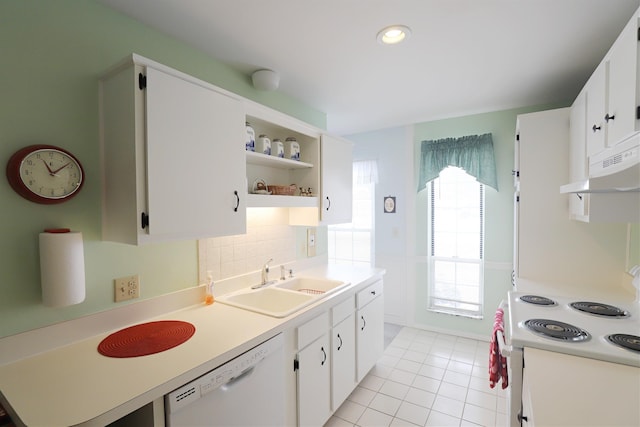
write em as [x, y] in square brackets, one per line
[283, 298]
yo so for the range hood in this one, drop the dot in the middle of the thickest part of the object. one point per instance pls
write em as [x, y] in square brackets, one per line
[616, 169]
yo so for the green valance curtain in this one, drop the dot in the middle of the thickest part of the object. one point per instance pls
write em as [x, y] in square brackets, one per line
[473, 153]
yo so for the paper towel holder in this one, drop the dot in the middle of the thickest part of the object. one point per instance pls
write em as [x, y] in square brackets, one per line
[61, 267]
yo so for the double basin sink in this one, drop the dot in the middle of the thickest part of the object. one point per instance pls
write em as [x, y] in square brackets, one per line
[282, 298]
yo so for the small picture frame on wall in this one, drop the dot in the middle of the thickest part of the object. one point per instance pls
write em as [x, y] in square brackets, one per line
[389, 204]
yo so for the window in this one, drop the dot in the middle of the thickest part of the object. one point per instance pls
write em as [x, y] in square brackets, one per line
[353, 243]
[456, 233]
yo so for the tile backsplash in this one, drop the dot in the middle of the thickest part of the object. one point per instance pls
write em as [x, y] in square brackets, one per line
[268, 236]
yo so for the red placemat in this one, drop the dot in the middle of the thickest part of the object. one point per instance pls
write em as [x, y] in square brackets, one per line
[146, 338]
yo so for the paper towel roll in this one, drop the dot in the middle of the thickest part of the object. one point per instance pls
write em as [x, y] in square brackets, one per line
[62, 268]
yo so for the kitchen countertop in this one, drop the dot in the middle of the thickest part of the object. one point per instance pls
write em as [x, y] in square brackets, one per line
[75, 385]
[576, 391]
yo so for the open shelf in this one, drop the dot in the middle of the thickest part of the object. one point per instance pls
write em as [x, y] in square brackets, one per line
[275, 162]
[275, 201]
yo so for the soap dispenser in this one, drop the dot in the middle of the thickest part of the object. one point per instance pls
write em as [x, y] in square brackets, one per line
[209, 299]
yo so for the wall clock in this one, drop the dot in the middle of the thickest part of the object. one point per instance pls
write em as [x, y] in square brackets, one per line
[45, 174]
[389, 204]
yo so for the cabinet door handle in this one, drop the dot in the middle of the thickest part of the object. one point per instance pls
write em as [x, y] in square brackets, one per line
[579, 196]
[596, 128]
[144, 220]
[329, 204]
[364, 323]
[373, 292]
[324, 356]
[608, 117]
[339, 345]
[237, 201]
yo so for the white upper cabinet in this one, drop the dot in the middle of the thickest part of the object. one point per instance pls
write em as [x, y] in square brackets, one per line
[624, 91]
[175, 165]
[172, 164]
[596, 89]
[613, 93]
[337, 180]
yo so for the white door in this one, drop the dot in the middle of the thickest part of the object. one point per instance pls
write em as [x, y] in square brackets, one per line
[336, 180]
[195, 160]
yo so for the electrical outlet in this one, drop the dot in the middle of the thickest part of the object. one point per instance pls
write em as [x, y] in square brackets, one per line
[127, 288]
[311, 242]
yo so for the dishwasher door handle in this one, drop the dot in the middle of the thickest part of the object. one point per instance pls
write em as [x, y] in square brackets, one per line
[233, 381]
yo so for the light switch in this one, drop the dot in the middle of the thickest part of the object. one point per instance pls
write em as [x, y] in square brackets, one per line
[311, 242]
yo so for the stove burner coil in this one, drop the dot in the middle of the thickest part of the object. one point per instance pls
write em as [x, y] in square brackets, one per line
[537, 300]
[629, 342]
[557, 330]
[600, 309]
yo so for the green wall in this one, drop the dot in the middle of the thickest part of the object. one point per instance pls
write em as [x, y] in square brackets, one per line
[52, 54]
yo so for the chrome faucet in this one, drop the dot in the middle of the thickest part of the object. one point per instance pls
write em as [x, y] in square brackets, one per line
[265, 272]
[265, 276]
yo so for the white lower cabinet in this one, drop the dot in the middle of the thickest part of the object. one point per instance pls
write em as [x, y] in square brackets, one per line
[314, 382]
[334, 351]
[313, 368]
[369, 328]
[343, 352]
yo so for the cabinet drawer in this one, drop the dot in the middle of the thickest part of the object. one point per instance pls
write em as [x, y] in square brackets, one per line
[365, 296]
[342, 311]
[311, 330]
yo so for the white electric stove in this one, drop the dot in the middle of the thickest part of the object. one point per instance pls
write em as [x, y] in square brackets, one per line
[597, 328]
[600, 329]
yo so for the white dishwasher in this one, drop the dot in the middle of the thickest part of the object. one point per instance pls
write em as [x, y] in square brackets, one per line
[246, 391]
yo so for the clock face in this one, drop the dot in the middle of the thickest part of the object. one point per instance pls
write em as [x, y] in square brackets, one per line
[45, 174]
[389, 204]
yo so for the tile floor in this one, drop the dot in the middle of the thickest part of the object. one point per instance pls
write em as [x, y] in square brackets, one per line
[426, 379]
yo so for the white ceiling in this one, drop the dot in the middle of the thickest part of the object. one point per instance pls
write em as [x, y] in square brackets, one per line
[464, 56]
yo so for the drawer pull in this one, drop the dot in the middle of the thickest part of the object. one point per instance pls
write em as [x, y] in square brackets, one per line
[324, 356]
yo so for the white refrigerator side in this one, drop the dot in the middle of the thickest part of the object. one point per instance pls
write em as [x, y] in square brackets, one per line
[548, 245]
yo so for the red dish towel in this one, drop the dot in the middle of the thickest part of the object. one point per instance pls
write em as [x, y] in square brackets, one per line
[497, 362]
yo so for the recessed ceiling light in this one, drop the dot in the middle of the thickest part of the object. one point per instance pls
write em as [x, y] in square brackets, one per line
[393, 34]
